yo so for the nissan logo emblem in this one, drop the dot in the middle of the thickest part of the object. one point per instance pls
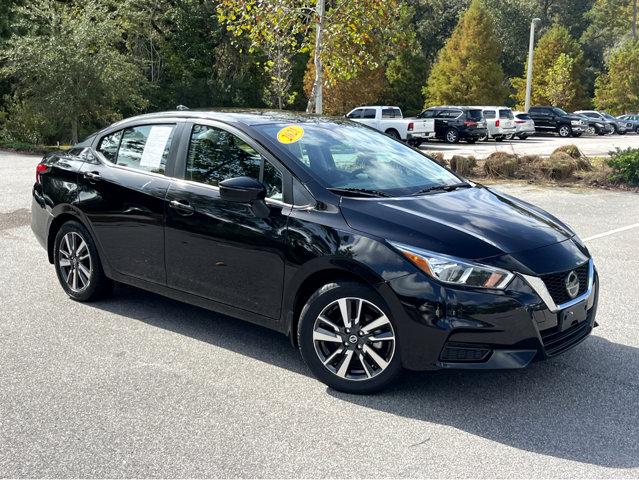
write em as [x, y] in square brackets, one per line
[572, 284]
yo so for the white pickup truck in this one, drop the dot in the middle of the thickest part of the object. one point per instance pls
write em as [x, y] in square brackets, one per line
[390, 120]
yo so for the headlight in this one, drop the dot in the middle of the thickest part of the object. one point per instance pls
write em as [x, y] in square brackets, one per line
[600, 125]
[453, 270]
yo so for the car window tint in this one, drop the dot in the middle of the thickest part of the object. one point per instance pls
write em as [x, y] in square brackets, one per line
[368, 113]
[506, 113]
[428, 114]
[146, 147]
[475, 114]
[391, 113]
[355, 113]
[109, 145]
[215, 155]
[489, 114]
[523, 116]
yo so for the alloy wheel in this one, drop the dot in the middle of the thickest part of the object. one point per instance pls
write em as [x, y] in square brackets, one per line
[354, 339]
[451, 136]
[74, 261]
[591, 130]
[564, 131]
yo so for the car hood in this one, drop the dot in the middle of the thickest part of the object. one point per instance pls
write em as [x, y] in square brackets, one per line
[471, 223]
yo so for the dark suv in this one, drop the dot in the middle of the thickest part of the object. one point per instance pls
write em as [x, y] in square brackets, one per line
[368, 254]
[554, 119]
[453, 124]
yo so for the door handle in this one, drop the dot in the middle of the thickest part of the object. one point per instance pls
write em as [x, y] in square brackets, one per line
[182, 208]
[92, 176]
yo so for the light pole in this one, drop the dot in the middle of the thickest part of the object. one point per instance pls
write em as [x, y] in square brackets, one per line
[531, 52]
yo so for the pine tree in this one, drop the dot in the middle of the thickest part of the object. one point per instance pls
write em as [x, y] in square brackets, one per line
[555, 53]
[618, 90]
[467, 70]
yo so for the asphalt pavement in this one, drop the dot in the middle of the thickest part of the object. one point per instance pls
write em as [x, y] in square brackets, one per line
[143, 386]
[541, 144]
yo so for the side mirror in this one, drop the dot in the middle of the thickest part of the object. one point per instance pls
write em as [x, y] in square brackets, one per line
[242, 190]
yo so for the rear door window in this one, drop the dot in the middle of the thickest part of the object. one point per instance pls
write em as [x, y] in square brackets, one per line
[368, 113]
[145, 147]
[109, 146]
[391, 113]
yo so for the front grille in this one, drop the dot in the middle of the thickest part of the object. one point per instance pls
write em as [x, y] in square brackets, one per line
[459, 352]
[556, 283]
[556, 341]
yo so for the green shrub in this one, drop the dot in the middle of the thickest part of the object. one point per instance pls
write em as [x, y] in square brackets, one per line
[625, 165]
[559, 166]
[501, 164]
[463, 165]
[571, 150]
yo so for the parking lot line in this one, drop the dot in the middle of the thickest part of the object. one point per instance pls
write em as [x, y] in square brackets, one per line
[612, 232]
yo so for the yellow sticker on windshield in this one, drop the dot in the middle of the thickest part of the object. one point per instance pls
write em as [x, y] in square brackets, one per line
[290, 134]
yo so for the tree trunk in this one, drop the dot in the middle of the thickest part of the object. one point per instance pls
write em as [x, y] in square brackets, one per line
[74, 130]
[315, 100]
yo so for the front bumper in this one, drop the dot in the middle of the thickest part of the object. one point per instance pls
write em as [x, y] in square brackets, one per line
[450, 328]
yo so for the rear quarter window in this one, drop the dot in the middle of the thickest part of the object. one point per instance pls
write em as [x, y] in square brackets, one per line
[490, 114]
[391, 113]
[506, 113]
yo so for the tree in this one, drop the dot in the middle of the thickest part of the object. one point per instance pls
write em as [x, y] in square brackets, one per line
[618, 90]
[339, 38]
[546, 63]
[67, 65]
[467, 70]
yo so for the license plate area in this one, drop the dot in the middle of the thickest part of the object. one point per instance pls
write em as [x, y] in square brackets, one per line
[573, 315]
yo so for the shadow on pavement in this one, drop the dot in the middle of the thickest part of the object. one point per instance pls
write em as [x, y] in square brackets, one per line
[581, 406]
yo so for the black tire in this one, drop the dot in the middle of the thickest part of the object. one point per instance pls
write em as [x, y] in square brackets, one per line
[637, 130]
[564, 130]
[577, 135]
[451, 136]
[364, 379]
[391, 132]
[415, 142]
[499, 139]
[619, 132]
[522, 137]
[471, 140]
[89, 287]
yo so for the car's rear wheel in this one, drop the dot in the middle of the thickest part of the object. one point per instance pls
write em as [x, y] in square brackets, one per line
[348, 338]
[564, 131]
[452, 135]
[77, 264]
[522, 137]
[391, 132]
[499, 138]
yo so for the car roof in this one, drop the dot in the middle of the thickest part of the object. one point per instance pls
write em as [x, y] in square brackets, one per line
[247, 117]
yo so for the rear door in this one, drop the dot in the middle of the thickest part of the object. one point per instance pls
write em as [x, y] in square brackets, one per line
[219, 249]
[122, 194]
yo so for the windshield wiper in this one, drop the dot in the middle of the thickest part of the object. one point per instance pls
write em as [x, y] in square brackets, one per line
[353, 192]
[443, 188]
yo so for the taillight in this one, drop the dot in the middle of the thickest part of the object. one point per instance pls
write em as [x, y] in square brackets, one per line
[497, 122]
[470, 123]
[41, 168]
[520, 121]
[411, 126]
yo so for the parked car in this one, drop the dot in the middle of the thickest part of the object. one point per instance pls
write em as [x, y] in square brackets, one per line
[391, 121]
[524, 125]
[618, 127]
[554, 119]
[596, 126]
[368, 254]
[500, 123]
[632, 122]
[453, 123]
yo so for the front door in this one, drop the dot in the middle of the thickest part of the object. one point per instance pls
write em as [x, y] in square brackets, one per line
[219, 249]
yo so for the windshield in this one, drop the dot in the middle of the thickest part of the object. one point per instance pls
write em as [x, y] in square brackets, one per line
[351, 156]
[559, 111]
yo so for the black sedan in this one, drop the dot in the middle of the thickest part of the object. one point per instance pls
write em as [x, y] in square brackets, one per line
[368, 254]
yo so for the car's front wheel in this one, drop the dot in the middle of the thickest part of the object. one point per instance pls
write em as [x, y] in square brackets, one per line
[348, 338]
[77, 264]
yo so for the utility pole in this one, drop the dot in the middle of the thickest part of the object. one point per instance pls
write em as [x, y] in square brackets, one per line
[315, 102]
[634, 20]
[531, 52]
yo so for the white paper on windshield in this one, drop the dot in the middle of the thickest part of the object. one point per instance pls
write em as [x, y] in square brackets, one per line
[155, 146]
